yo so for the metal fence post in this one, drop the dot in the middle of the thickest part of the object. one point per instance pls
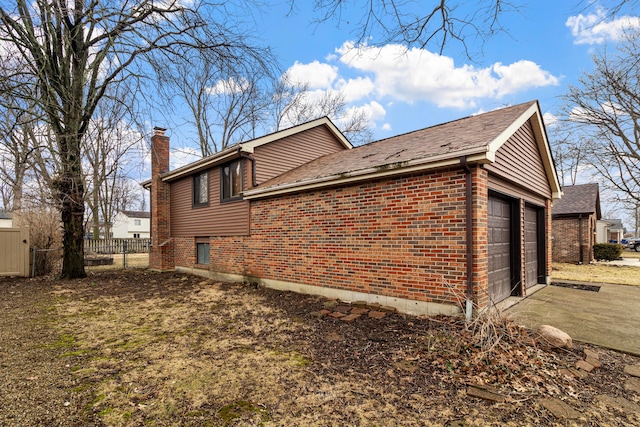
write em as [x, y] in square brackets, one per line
[33, 260]
[124, 254]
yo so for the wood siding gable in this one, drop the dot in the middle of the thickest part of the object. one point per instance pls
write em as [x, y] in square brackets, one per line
[519, 161]
[293, 151]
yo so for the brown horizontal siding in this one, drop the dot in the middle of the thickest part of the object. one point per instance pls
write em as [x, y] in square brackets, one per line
[216, 219]
[288, 153]
[500, 185]
[519, 161]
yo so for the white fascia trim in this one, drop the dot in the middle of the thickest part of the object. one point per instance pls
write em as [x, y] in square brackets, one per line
[249, 146]
[473, 156]
[201, 164]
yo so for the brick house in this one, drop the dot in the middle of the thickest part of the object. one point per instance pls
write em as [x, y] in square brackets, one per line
[574, 219]
[431, 221]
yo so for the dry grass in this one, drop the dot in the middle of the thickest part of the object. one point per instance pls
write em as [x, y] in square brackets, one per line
[133, 261]
[597, 273]
[133, 347]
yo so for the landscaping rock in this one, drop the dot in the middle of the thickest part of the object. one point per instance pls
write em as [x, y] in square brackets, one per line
[336, 314]
[632, 384]
[555, 337]
[620, 403]
[581, 364]
[377, 314]
[485, 392]
[359, 310]
[330, 304]
[343, 308]
[350, 317]
[591, 353]
[560, 409]
[594, 362]
[633, 370]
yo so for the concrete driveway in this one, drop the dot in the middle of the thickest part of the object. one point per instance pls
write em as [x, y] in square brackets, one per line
[608, 318]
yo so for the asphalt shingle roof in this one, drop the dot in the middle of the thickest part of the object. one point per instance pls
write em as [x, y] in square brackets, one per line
[441, 141]
[137, 214]
[578, 199]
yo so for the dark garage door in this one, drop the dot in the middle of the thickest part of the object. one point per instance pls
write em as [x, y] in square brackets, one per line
[531, 245]
[499, 248]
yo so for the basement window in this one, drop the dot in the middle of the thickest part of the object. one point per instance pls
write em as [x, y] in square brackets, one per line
[202, 253]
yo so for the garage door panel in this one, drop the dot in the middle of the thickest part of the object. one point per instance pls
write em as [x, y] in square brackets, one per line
[532, 251]
[499, 248]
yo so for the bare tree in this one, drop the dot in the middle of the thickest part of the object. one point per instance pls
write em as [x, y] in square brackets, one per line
[294, 103]
[606, 104]
[417, 23]
[69, 53]
[569, 152]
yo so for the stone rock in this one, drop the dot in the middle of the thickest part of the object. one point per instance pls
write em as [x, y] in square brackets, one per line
[361, 304]
[377, 314]
[330, 304]
[333, 336]
[596, 363]
[585, 366]
[620, 403]
[632, 384]
[560, 409]
[316, 314]
[555, 337]
[337, 314]
[578, 373]
[633, 370]
[484, 392]
[343, 308]
[359, 310]
[591, 353]
[350, 317]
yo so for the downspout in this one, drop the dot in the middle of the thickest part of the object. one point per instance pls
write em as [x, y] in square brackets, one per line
[469, 228]
[254, 182]
[581, 260]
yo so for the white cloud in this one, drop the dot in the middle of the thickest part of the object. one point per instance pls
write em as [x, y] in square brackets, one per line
[386, 127]
[228, 87]
[595, 29]
[417, 74]
[317, 75]
[355, 89]
[550, 119]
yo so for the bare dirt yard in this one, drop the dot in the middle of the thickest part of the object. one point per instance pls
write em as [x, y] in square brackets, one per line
[135, 348]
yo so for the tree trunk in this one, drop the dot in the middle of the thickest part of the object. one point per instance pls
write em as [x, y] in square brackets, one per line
[71, 196]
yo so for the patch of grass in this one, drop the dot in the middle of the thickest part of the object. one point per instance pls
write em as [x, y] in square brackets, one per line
[64, 341]
[597, 273]
[242, 409]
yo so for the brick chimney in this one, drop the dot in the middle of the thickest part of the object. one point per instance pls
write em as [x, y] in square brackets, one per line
[161, 255]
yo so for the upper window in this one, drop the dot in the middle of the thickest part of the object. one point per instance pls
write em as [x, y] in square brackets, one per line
[137, 222]
[231, 181]
[201, 189]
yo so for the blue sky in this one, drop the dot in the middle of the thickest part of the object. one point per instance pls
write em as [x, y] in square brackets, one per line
[546, 46]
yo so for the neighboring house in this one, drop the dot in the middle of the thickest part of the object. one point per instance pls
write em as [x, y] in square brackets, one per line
[574, 223]
[131, 224]
[423, 221]
[609, 231]
[6, 219]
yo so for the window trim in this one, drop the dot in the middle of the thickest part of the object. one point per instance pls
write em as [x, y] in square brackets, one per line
[222, 182]
[195, 187]
[203, 241]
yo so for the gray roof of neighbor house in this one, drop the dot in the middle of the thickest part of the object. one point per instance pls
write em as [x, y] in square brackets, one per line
[137, 214]
[477, 137]
[578, 199]
[614, 224]
[5, 215]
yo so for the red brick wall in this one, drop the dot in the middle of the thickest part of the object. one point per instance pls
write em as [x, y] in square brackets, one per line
[480, 236]
[567, 239]
[401, 237]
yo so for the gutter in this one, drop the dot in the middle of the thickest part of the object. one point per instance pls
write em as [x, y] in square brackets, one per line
[469, 228]
[244, 155]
